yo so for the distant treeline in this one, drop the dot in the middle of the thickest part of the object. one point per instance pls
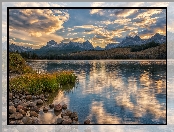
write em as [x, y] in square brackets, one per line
[151, 50]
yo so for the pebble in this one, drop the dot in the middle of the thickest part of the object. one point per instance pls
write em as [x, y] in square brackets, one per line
[35, 120]
[19, 107]
[33, 113]
[51, 106]
[45, 109]
[57, 107]
[10, 96]
[64, 106]
[12, 116]
[59, 121]
[12, 109]
[18, 116]
[39, 102]
[27, 120]
[87, 121]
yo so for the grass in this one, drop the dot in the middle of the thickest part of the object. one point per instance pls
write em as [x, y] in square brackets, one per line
[33, 82]
[18, 65]
[38, 83]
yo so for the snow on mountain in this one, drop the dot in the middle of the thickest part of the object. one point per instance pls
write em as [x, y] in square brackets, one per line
[128, 41]
[98, 48]
[112, 45]
[14, 48]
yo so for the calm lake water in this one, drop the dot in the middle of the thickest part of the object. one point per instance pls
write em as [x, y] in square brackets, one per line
[111, 91]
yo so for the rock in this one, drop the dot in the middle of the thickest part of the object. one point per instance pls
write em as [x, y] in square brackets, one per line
[75, 122]
[28, 103]
[33, 113]
[73, 115]
[12, 122]
[34, 97]
[16, 101]
[59, 121]
[87, 121]
[46, 95]
[12, 116]
[27, 120]
[31, 104]
[19, 107]
[64, 106]
[25, 109]
[10, 96]
[45, 109]
[22, 112]
[20, 95]
[18, 116]
[15, 105]
[63, 114]
[39, 102]
[20, 102]
[11, 103]
[28, 97]
[35, 108]
[57, 107]
[66, 117]
[35, 120]
[75, 119]
[23, 97]
[12, 109]
[67, 121]
[19, 122]
[42, 97]
[57, 112]
[51, 106]
[37, 97]
[68, 112]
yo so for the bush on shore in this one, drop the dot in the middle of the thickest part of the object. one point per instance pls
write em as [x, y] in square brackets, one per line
[18, 65]
[38, 83]
[33, 82]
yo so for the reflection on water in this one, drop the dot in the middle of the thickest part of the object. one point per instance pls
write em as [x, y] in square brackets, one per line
[113, 92]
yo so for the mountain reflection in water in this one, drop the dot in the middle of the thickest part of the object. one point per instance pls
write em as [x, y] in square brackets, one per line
[113, 92]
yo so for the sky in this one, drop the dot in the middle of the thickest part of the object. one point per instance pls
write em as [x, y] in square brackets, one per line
[35, 27]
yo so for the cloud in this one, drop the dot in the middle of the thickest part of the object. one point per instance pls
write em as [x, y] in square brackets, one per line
[125, 12]
[97, 11]
[67, 40]
[86, 26]
[36, 42]
[36, 21]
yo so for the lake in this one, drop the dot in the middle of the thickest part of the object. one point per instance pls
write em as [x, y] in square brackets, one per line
[111, 91]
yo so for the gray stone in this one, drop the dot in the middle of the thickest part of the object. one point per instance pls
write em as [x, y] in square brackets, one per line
[27, 120]
[35, 120]
[19, 107]
[12, 116]
[67, 121]
[57, 107]
[64, 106]
[12, 109]
[45, 109]
[51, 106]
[59, 121]
[10, 96]
[87, 121]
[18, 116]
[33, 113]
[39, 102]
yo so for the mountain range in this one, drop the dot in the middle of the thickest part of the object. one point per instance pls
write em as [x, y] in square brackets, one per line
[70, 47]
